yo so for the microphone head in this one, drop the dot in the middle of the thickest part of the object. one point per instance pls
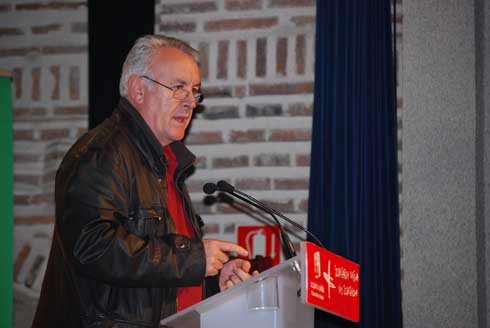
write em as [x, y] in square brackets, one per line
[209, 188]
[225, 186]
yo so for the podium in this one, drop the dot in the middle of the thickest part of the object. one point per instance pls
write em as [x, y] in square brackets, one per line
[270, 300]
[282, 297]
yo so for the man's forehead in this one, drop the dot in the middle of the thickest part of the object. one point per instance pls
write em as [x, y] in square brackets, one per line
[173, 61]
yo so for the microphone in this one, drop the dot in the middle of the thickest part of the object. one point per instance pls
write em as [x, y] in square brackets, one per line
[209, 188]
[226, 187]
[288, 247]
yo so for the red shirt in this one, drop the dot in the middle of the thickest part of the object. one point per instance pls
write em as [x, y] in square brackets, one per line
[186, 296]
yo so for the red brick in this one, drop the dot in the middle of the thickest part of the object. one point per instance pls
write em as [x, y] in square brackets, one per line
[17, 77]
[81, 131]
[303, 160]
[240, 91]
[19, 52]
[177, 27]
[54, 155]
[43, 29]
[20, 260]
[204, 138]
[79, 27]
[261, 57]
[34, 180]
[23, 135]
[220, 112]
[211, 228]
[229, 228]
[189, 8]
[291, 3]
[301, 21]
[36, 84]
[51, 5]
[216, 92]
[303, 205]
[232, 208]
[272, 160]
[281, 56]
[55, 70]
[242, 59]
[222, 60]
[50, 134]
[71, 110]
[256, 110]
[64, 50]
[229, 162]
[204, 59]
[194, 185]
[29, 113]
[30, 220]
[26, 157]
[260, 89]
[300, 109]
[49, 50]
[74, 82]
[240, 24]
[290, 183]
[9, 31]
[5, 8]
[253, 184]
[300, 54]
[234, 5]
[21, 199]
[202, 208]
[49, 177]
[283, 206]
[290, 135]
[201, 162]
[247, 136]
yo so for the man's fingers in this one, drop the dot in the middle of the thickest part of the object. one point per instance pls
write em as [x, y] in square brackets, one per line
[246, 265]
[231, 247]
[241, 274]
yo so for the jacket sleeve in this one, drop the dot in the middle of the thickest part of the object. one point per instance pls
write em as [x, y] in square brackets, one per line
[91, 193]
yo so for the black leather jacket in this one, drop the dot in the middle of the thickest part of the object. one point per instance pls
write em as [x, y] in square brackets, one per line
[115, 260]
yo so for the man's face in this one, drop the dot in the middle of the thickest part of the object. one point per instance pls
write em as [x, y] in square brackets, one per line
[169, 117]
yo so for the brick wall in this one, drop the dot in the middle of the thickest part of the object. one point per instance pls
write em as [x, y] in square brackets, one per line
[44, 45]
[258, 74]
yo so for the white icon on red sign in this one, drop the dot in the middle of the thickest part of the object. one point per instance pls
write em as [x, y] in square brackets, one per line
[260, 241]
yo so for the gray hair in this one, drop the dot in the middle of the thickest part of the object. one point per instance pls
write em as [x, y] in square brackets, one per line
[139, 58]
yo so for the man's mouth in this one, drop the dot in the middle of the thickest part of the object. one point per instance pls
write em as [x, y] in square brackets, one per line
[181, 119]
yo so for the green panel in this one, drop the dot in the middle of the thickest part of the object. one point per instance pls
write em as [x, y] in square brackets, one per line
[6, 203]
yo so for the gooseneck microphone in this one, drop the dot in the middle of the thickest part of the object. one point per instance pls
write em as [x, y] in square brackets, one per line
[288, 247]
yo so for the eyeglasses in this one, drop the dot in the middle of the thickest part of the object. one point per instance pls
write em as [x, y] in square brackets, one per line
[179, 93]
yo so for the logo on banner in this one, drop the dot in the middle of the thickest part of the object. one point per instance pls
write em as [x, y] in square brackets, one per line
[330, 282]
[261, 240]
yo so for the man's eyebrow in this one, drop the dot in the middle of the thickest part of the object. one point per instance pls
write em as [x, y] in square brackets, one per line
[180, 81]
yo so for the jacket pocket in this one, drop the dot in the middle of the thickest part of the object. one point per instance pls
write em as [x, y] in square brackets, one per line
[145, 222]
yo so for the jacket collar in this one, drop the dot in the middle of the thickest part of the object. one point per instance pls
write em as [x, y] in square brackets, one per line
[148, 144]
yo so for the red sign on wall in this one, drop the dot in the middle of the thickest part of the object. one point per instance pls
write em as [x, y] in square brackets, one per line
[261, 240]
[330, 282]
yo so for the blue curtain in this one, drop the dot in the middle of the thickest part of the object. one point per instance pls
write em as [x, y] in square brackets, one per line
[353, 196]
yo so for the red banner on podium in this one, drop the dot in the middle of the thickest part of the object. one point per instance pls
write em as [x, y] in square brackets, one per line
[330, 282]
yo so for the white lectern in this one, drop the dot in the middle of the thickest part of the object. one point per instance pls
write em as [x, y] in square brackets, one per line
[269, 300]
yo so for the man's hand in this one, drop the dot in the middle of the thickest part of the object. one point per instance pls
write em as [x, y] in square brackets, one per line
[217, 254]
[235, 272]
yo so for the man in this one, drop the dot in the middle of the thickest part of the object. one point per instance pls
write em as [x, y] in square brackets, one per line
[127, 246]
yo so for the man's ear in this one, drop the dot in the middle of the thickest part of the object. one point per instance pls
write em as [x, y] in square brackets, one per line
[136, 89]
